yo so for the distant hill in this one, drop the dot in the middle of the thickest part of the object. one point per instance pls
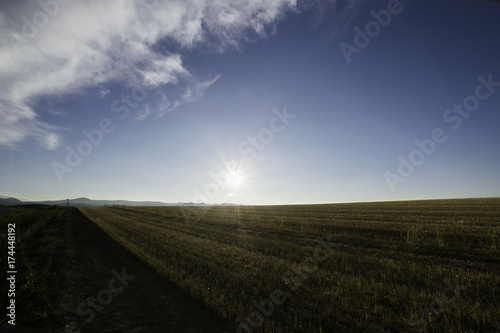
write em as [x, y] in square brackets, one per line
[86, 202]
[10, 201]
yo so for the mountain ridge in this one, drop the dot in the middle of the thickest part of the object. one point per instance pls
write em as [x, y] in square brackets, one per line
[86, 202]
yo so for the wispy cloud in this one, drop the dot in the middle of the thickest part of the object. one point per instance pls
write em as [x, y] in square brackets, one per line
[193, 92]
[144, 113]
[65, 48]
[336, 13]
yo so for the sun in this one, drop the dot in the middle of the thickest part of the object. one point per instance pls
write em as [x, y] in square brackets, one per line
[234, 179]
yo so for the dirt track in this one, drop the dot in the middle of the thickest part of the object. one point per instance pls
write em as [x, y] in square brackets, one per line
[141, 302]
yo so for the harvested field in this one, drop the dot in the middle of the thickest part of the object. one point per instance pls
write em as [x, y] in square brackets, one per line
[379, 267]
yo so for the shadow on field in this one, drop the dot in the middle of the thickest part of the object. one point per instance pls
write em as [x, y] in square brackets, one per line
[101, 287]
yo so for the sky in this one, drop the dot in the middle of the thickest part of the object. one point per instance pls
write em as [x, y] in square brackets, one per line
[250, 102]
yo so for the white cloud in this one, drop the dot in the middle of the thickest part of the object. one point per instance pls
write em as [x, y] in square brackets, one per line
[50, 141]
[73, 45]
[141, 115]
[193, 92]
[196, 90]
[163, 71]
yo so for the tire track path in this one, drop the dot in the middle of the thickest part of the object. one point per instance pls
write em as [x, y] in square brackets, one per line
[144, 303]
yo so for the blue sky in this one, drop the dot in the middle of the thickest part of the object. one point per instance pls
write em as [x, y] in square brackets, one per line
[254, 102]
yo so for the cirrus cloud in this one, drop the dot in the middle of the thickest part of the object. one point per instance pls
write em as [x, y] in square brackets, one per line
[54, 48]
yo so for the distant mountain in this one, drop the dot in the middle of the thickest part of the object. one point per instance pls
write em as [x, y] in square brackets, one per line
[10, 201]
[86, 202]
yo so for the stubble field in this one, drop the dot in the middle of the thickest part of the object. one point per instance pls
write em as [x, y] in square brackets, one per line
[364, 267]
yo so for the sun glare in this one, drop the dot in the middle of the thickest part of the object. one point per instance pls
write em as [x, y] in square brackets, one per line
[234, 179]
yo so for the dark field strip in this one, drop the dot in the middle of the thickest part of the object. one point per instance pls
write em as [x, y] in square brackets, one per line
[347, 267]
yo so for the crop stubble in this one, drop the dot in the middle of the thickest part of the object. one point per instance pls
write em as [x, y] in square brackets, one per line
[391, 260]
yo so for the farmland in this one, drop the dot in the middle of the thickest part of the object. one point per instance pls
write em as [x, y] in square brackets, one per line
[65, 265]
[431, 265]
